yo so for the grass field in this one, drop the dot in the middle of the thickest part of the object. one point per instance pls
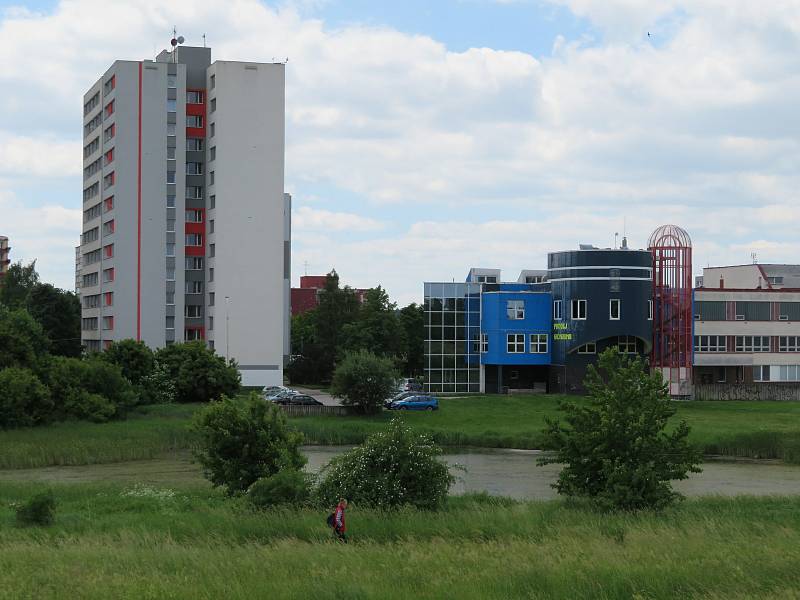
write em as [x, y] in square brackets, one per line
[110, 541]
[745, 429]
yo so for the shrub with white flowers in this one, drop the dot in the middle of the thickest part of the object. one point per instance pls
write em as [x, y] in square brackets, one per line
[390, 469]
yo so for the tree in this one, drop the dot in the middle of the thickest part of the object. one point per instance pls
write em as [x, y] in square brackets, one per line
[134, 358]
[390, 469]
[375, 327]
[363, 379]
[199, 374]
[616, 449]
[22, 340]
[24, 401]
[59, 314]
[240, 444]
[412, 321]
[337, 307]
[17, 283]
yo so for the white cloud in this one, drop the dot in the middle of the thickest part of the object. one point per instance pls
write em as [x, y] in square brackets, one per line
[306, 219]
[43, 156]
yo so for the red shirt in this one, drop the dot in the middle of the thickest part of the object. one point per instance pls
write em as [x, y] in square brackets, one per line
[338, 518]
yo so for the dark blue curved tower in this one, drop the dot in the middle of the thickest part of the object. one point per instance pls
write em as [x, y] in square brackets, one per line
[601, 298]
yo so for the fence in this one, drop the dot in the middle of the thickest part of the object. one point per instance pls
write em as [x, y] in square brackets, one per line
[785, 392]
[301, 410]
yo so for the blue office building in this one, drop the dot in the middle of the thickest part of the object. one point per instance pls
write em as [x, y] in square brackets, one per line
[542, 331]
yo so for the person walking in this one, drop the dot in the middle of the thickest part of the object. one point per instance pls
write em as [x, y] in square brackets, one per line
[339, 526]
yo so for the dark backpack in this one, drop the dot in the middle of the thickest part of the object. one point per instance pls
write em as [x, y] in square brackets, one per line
[329, 520]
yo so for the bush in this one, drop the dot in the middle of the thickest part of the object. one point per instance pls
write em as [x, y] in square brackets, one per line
[390, 469]
[365, 380]
[240, 444]
[135, 359]
[24, 400]
[157, 387]
[22, 340]
[199, 374]
[616, 448]
[39, 510]
[288, 486]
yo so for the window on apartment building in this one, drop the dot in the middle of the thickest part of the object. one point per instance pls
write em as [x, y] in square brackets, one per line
[109, 180]
[108, 251]
[89, 324]
[172, 105]
[212, 201]
[194, 97]
[109, 298]
[91, 257]
[91, 147]
[170, 273]
[211, 298]
[91, 191]
[171, 129]
[172, 81]
[194, 168]
[108, 203]
[211, 178]
[194, 121]
[211, 323]
[110, 109]
[213, 82]
[170, 200]
[170, 176]
[194, 263]
[109, 132]
[92, 301]
[194, 192]
[194, 287]
[515, 343]
[108, 227]
[89, 106]
[92, 213]
[109, 85]
[212, 153]
[752, 343]
[170, 323]
[194, 144]
[710, 343]
[108, 323]
[194, 215]
[613, 309]
[211, 226]
[213, 105]
[211, 274]
[212, 249]
[557, 315]
[170, 298]
[578, 310]
[170, 249]
[212, 129]
[90, 279]
[91, 235]
[626, 344]
[192, 311]
[777, 280]
[171, 225]
[108, 275]
[194, 239]
[515, 309]
[789, 343]
[192, 334]
[538, 343]
[170, 153]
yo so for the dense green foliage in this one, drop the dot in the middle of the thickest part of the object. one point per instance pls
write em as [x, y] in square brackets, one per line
[16, 285]
[288, 486]
[393, 468]
[364, 380]
[134, 358]
[22, 340]
[341, 325]
[59, 314]
[39, 510]
[240, 443]
[24, 401]
[125, 541]
[198, 373]
[616, 449]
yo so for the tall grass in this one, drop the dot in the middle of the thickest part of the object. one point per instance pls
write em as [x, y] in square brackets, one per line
[192, 544]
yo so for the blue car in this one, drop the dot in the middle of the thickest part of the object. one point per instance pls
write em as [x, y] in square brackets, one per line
[415, 403]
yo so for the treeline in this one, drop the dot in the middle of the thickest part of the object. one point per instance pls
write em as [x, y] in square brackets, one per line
[341, 325]
[45, 377]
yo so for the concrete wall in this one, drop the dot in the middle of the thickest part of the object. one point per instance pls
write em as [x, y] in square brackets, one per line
[249, 234]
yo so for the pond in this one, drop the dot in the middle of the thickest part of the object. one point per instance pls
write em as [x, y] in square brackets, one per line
[499, 472]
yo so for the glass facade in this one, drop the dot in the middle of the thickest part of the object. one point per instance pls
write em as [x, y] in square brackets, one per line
[452, 337]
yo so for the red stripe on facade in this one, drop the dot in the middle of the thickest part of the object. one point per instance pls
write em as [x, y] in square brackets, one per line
[139, 221]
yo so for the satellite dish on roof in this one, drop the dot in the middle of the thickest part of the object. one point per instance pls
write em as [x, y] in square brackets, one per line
[181, 39]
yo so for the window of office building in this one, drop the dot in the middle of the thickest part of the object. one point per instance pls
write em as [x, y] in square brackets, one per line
[613, 309]
[752, 343]
[515, 309]
[484, 343]
[538, 343]
[590, 348]
[452, 323]
[710, 343]
[626, 344]
[515, 343]
[557, 316]
[789, 343]
[578, 310]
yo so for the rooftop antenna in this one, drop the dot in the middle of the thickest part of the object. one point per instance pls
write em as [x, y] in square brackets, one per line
[305, 266]
[204, 40]
[176, 39]
[754, 256]
[616, 235]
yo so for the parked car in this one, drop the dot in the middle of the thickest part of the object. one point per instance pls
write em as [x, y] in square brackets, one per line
[409, 385]
[299, 400]
[285, 393]
[416, 403]
[398, 397]
[271, 390]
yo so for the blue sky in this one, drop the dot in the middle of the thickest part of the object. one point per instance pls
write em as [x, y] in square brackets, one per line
[427, 137]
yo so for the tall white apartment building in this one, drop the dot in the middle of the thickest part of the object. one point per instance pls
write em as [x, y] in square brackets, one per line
[185, 221]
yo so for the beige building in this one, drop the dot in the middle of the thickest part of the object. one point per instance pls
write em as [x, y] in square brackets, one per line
[4, 250]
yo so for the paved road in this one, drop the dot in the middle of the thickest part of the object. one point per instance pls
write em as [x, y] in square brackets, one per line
[323, 397]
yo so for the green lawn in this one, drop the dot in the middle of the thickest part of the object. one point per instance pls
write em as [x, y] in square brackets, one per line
[748, 429]
[121, 542]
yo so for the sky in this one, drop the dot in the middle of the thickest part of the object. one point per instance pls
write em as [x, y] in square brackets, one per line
[427, 137]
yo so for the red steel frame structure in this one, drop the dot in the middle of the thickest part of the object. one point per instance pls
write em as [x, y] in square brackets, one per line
[671, 248]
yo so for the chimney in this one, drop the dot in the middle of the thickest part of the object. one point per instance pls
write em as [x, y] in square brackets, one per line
[721, 282]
